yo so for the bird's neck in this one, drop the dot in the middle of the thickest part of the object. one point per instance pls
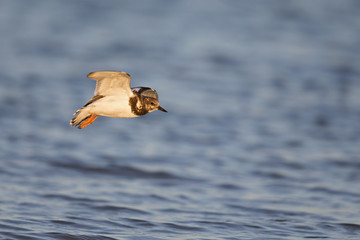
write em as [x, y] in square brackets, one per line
[137, 104]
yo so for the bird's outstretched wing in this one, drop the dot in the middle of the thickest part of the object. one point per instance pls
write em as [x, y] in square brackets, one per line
[111, 83]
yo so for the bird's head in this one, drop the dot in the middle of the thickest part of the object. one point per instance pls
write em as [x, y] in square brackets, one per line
[152, 104]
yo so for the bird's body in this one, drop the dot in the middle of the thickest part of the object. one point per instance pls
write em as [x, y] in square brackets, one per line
[112, 106]
[113, 97]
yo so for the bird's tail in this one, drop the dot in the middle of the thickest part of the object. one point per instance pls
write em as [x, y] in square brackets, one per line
[82, 118]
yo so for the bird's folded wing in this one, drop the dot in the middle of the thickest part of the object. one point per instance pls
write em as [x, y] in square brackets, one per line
[110, 83]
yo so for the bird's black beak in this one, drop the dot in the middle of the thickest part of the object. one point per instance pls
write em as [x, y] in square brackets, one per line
[161, 109]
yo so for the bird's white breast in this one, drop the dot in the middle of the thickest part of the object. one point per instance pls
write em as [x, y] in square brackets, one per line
[113, 106]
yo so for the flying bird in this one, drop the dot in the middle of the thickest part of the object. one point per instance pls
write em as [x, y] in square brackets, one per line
[113, 97]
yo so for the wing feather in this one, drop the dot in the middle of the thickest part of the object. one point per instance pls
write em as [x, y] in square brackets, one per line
[110, 83]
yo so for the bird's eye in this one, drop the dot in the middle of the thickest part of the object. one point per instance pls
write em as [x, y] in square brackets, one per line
[152, 104]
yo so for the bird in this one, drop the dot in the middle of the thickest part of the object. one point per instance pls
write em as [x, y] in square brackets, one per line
[113, 97]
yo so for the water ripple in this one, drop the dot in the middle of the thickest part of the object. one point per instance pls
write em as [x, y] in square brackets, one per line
[183, 227]
[121, 171]
[63, 236]
[118, 209]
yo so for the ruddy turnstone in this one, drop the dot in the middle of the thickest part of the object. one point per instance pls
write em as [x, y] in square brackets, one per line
[113, 97]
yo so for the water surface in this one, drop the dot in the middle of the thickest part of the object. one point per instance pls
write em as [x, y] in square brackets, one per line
[261, 140]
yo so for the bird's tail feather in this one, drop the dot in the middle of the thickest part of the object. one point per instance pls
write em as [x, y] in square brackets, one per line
[82, 118]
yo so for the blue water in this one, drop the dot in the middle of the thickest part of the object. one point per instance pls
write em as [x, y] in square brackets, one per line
[261, 139]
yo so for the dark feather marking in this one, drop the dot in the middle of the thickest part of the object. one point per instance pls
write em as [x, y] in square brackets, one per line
[93, 99]
[133, 102]
[139, 90]
[146, 92]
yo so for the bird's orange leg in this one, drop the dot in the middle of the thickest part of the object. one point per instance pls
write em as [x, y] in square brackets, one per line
[88, 121]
